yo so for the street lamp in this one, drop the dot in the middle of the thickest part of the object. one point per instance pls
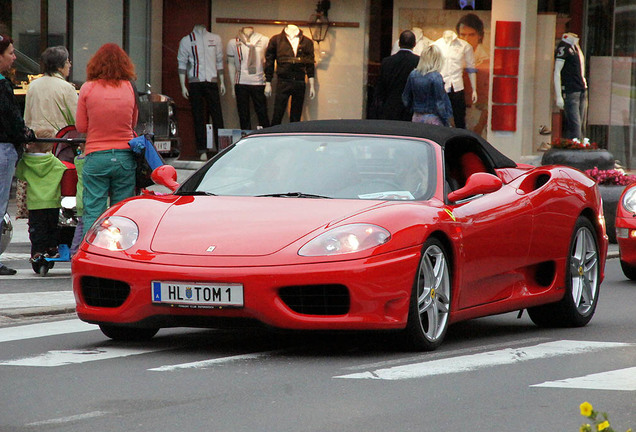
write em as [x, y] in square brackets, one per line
[319, 21]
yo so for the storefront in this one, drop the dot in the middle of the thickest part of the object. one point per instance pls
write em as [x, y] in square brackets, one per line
[515, 106]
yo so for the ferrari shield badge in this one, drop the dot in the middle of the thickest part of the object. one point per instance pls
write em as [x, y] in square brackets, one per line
[450, 213]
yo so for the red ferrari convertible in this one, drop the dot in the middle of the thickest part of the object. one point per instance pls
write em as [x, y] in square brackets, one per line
[349, 225]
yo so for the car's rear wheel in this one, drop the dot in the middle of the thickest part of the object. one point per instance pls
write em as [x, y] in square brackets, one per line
[628, 270]
[582, 277]
[429, 309]
[124, 333]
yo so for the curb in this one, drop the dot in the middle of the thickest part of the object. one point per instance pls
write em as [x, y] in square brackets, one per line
[28, 312]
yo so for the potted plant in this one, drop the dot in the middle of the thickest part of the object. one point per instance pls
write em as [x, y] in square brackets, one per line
[582, 155]
[611, 184]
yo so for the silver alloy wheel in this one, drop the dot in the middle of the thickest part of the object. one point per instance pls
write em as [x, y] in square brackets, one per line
[433, 293]
[584, 270]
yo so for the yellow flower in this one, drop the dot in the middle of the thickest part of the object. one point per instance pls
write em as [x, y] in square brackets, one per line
[602, 426]
[586, 409]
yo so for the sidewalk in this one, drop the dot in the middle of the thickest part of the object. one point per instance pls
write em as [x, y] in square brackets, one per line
[18, 305]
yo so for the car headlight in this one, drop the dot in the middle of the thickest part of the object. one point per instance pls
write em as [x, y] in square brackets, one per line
[346, 239]
[114, 233]
[629, 200]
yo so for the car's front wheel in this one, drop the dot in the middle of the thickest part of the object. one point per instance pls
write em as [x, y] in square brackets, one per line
[628, 270]
[124, 333]
[582, 276]
[429, 309]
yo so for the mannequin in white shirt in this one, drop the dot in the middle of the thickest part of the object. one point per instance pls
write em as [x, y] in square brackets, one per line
[459, 57]
[292, 32]
[200, 62]
[245, 61]
[199, 28]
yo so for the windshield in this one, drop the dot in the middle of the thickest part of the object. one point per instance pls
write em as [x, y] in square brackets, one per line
[320, 166]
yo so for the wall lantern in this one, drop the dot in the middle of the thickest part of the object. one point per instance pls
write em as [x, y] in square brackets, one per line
[319, 21]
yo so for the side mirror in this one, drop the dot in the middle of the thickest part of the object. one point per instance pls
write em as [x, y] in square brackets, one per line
[477, 184]
[165, 175]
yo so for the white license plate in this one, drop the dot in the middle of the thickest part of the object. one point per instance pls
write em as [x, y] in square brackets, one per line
[162, 146]
[195, 295]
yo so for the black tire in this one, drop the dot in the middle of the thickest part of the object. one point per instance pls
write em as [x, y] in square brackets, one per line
[128, 334]
[578, 305]
[628, 270]
[429, 308]
[44, 268]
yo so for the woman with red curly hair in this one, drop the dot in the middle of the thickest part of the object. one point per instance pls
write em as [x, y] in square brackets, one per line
[107, 113]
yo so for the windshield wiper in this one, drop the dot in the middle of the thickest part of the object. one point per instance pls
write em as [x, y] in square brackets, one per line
[294, 195]
[195, 193]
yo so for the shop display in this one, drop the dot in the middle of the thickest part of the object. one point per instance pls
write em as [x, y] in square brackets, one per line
[291, 55]
[200, 58]
[245, 61]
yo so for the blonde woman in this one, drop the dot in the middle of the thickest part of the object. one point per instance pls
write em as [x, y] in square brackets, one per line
[424, 92]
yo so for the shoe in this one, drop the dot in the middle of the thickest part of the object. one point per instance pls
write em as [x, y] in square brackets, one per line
[52, 253]
[36, 257]
[6, 271]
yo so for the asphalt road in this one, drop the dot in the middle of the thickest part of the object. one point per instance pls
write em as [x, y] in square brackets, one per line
[496, 373]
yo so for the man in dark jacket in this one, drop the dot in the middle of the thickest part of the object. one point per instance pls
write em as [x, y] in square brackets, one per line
[394, 72]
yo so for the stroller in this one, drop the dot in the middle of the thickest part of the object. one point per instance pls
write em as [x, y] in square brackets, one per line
[65, 148]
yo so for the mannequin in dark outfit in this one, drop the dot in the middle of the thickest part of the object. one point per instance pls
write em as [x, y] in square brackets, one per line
[292, 54]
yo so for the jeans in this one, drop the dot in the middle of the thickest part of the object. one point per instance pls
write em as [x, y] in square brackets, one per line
[575, 112]
[106, 173]
[8, 159]
[256, 93]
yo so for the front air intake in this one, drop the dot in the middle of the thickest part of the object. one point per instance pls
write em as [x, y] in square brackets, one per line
[316, 299]
[100, 292]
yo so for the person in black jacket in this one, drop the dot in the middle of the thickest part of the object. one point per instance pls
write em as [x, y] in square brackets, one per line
[293, 54]
[13, 132]
[394, 72]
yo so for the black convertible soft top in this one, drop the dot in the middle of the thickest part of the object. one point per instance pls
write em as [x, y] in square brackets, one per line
[441, 135]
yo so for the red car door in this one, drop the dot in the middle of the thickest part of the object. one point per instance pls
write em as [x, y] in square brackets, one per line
[496, 231]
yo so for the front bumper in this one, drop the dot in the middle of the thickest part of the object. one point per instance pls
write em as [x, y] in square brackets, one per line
[379, 290]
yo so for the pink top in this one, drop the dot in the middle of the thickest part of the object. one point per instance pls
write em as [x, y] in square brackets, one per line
[107, 115]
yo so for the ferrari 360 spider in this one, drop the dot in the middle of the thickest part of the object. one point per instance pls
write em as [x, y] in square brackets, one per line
[349, 225]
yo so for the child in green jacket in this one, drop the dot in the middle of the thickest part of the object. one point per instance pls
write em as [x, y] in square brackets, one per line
[43, 172]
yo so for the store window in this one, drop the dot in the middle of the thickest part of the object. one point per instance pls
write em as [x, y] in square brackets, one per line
[612, 77]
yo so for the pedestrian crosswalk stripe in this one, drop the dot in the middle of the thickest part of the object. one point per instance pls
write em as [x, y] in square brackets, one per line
[61, 358]
[32, 331]
[482, 360]
[621, 379]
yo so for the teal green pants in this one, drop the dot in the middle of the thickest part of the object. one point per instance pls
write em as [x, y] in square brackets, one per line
[108, 173]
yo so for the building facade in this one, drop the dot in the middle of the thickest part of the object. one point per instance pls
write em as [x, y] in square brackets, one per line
[515, 109]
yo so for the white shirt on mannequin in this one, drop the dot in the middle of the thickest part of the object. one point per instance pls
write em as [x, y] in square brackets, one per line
[458, 55]
[200, 68]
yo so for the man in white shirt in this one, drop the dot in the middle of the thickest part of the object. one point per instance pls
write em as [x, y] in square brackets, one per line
[458, 56]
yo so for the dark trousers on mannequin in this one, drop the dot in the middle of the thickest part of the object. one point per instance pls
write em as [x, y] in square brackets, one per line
[284, 90]
[256, 93]
[458, 103]
[205, 102]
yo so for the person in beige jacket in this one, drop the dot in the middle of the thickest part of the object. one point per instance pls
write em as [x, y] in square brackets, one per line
[51, 101]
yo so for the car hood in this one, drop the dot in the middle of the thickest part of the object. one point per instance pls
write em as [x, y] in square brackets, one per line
[246, 226]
